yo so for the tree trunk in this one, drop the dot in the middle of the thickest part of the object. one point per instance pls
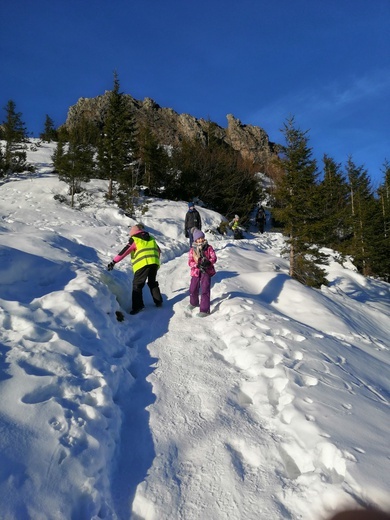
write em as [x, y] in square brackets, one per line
[292, 254]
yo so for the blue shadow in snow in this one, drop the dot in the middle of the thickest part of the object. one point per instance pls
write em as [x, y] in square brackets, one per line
[137, 451]
[4, 365]
[269, 294]
[25, 276]
[273, 288]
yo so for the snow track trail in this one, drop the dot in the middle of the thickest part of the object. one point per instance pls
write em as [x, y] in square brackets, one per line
[194, 420]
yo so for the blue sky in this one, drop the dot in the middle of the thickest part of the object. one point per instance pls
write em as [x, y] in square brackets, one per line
[327, 63]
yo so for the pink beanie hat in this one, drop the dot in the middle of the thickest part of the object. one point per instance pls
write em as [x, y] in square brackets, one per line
[135, 230]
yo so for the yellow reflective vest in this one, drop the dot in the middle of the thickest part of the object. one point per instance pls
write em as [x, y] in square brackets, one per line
[147, 253]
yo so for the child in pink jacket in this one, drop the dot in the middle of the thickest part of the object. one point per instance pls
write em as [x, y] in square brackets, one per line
[201, 259]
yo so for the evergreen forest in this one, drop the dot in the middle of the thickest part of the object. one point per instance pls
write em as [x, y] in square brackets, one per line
[316, 206]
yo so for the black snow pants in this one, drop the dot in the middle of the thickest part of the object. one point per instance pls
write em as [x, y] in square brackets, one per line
[147, 273]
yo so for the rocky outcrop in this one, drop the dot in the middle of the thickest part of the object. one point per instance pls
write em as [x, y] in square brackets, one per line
[251, 141]
[171, 128]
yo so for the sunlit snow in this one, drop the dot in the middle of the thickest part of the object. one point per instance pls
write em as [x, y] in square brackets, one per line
[276, 406]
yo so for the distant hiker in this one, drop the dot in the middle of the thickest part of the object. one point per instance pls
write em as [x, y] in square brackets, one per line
[234, 224]
[145, 259]
[235, 227]
[192, 220]
[201, 259]
[260, 219]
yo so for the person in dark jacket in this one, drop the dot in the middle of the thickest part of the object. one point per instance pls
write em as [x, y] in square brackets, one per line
[192, 220]
[260, 219]
[145, 259]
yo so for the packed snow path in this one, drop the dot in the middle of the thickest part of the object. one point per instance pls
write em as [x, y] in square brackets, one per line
[208, 449]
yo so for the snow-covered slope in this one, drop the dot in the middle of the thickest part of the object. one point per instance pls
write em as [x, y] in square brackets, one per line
[275, 406]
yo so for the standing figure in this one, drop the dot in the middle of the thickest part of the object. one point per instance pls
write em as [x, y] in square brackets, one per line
[201, 259]
[260, 219]
[145, 259]
[192, 220]
[235, 226]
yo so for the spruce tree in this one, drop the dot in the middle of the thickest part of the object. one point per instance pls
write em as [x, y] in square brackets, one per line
[153, 161]
[116, 150]
[3, 168]
[58, 155]
[15, 136]
[214, 172]
[363, 212]
[50, 133]
[296, 197]
[74, 161]
[382, 253]
[183, 182]
[333, 205]
[235, 188]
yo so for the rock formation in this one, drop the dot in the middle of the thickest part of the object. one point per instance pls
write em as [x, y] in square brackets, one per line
[170, 127]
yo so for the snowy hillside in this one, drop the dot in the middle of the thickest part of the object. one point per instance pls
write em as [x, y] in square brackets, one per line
[276, 406]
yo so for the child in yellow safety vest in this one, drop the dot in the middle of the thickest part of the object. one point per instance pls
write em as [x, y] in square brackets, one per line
[145, 259]
[235, 227]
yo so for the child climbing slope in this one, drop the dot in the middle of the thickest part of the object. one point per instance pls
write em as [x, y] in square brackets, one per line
[201, 259]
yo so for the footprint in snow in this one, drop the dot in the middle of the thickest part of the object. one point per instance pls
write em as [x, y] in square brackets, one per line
[56, 424]
[42, 394]
[305, 380]
[33, 370]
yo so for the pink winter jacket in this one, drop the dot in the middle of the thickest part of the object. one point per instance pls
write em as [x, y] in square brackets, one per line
[209, 253]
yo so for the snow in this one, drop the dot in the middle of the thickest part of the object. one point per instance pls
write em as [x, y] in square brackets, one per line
[276, 406]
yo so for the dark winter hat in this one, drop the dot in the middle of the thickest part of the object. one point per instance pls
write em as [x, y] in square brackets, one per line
[191, 205]
[197, 234]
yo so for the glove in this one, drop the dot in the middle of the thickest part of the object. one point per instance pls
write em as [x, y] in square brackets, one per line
[110, 266]
[204, 263]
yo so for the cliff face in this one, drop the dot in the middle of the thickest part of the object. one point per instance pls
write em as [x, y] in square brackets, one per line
[170, 127]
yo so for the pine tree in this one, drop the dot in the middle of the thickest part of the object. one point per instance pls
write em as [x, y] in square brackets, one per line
[220, 174]
[58, 155]
[333, 205]
[3, 166]
[153, 161]
[214, 172]
[15, 136]
[59, 152]
[363, 210]
[236, 188]
[116, 151]
[382, 256]
[50, 133]
[384, 194]
[296, 196]
[74, 161]
[183, 181]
